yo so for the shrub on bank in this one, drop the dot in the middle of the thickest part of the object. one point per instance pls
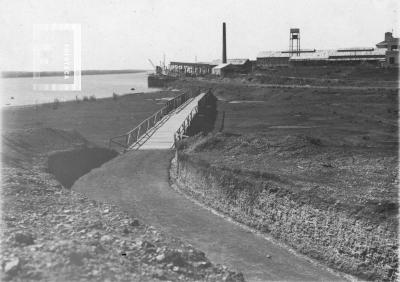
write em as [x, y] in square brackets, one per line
[115, 96]
[56, 103]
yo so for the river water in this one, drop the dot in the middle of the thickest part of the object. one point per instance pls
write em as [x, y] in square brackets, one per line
[19, 91]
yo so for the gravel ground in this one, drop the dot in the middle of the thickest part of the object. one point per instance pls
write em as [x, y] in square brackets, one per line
[50, 233]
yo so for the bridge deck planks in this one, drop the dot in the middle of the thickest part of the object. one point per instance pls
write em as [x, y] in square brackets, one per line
[163, 137]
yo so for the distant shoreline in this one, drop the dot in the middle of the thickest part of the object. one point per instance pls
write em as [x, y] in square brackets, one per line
[17, 74]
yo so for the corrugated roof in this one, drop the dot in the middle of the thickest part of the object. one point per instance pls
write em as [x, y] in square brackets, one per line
[356, 59]
[323, 54]
[232, 61]
[317, 55]
[192, 64]
[374, 52]
[382, 44]
[220, 66]
[266, 54]
[301, 51]
[355, 49]
[237, 61]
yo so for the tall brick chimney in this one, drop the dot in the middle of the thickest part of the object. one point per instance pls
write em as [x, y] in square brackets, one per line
[223, 43]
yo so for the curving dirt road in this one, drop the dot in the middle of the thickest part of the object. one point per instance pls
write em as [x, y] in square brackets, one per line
[138, 181]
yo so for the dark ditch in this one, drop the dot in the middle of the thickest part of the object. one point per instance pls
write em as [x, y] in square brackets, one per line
[205, 119]
[68, 166]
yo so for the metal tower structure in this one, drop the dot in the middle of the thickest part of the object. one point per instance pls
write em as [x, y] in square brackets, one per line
[294, 47]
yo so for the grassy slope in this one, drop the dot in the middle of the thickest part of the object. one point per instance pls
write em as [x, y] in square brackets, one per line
[317, 77]
[50, 233]
[330, 150]
[337, 146]
[360, 76]
[337, 72]
[97, 120]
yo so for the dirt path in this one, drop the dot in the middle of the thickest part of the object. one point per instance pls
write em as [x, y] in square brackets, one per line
[138, 182]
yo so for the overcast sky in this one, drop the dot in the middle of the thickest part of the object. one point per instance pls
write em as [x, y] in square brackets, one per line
[120, 34]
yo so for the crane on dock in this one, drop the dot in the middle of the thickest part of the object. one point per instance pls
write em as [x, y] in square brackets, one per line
[157, 69]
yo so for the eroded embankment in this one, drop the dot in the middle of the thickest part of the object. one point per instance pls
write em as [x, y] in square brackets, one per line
[49, 233]
[67, 166]
[343, 242]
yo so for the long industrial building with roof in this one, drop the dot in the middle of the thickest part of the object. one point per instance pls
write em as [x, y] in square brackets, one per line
[342, 56]
[386, 53]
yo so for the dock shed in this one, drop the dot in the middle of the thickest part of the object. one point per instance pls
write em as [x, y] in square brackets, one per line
[221, 69]
[191, 69]
[237, 65]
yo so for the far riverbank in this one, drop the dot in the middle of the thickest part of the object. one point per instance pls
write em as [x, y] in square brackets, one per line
[15, 74]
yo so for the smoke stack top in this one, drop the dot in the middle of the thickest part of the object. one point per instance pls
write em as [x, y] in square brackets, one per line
[224, 43]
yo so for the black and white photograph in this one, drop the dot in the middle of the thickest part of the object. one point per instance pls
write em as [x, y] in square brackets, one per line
[199, 140]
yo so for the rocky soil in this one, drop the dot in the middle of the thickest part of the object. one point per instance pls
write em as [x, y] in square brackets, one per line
[50, 233]
[362, 183]
[308, 155]
[298, 191]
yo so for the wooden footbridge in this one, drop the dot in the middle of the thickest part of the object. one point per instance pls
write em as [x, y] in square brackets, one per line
[164, 128]
[139, 183]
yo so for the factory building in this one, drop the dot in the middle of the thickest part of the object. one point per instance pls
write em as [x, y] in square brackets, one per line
[348, 56]
[232, 66]
[344, 56]
[272, 58]
[226, 66]
[386, 53]
[221, 69]
[190, 69]
[391, 47]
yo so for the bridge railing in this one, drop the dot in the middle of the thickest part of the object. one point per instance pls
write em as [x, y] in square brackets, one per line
[180, 133]
[133, 136]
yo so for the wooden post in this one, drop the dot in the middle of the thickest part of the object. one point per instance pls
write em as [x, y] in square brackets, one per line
[128, 139]
[138, 132]
[177, 161]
